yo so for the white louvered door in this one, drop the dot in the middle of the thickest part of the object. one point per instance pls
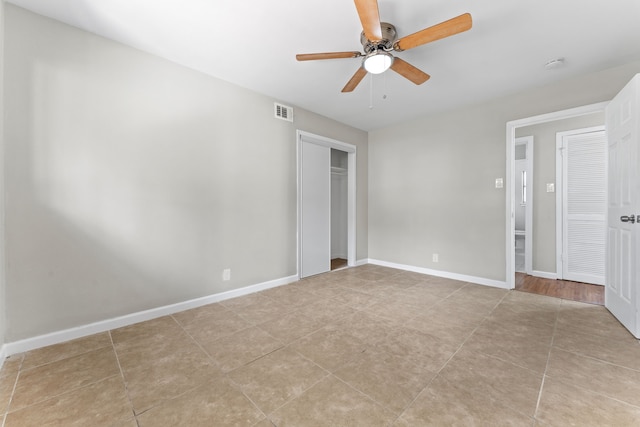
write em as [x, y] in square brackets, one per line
[584, 205]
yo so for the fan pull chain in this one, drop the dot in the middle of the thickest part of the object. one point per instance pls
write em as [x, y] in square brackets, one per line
[370, 91]
[384, 85]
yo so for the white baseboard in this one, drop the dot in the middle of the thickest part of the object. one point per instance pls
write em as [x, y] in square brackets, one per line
[361, 262]
[446, 274]
[3, 354]
[544, 274]
[105, 325]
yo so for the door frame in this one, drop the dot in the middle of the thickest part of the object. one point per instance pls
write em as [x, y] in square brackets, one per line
[561, 197]
[303, 136]
[510, 171]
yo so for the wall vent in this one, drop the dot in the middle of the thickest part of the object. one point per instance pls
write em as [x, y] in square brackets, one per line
[283, 112]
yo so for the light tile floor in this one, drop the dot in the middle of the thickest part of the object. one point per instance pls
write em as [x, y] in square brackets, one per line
[367, 346]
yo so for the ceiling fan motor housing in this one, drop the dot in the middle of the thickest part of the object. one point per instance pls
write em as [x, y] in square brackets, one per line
[389, 36]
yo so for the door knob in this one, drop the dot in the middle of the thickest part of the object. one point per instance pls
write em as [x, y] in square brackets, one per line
[631, 218]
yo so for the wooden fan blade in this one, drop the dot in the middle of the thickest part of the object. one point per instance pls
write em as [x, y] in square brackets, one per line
[444, 29]
[327, 55]
[370, 18]
[355, 80]
[410, 72]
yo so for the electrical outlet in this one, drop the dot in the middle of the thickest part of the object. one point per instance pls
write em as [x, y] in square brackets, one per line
[226, 274]
[434, 257]
[499, 183]
[551, 187]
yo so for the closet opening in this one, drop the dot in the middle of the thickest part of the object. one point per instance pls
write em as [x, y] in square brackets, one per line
[339, 203]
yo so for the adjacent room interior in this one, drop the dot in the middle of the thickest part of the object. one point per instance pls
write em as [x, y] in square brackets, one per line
[200, 228]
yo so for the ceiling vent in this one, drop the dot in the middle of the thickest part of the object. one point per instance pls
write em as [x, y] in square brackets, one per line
[283, 112]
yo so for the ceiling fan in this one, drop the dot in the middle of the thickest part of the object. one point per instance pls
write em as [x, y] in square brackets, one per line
[380, 38]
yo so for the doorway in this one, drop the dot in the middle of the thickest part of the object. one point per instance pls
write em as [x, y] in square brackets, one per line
[545, 265]
[324, 163]
[339, 203]
[523, 206]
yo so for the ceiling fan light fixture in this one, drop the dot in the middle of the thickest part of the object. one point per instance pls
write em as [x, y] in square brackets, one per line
[377, 62]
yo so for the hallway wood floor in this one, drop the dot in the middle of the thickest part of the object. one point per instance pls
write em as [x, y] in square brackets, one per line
[565, 289]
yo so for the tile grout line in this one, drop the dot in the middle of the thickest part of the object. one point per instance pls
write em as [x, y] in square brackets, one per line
[124, 380]
[286, 346]
[385, 407]
[63, 392]
[532, 417]
[595, 359]
[268, 416]
[200, 345]
[606, 362]
[498, 357]
[409, 305]
[226, 374]
[13, 390]
[159, 403]
[38, 402]
[577, 332]
[66, 357]
[328, 372]
[453, 355]
[334, 372]
[544, 375]
[471, 334]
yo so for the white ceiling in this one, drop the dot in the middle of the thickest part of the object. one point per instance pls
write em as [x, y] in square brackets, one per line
[253, 43]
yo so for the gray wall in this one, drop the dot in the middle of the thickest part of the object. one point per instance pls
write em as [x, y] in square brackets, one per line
[544, 171]
[133, 182]
[431, 180]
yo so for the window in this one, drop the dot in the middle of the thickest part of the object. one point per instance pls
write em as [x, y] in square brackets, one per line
[523, 195]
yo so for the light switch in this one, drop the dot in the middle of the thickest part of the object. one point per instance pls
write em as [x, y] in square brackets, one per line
[551, 187]
[499, 183]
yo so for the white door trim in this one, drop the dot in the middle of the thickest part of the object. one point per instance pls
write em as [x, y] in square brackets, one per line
[510, 201]
[561, 195]
[351, 190]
